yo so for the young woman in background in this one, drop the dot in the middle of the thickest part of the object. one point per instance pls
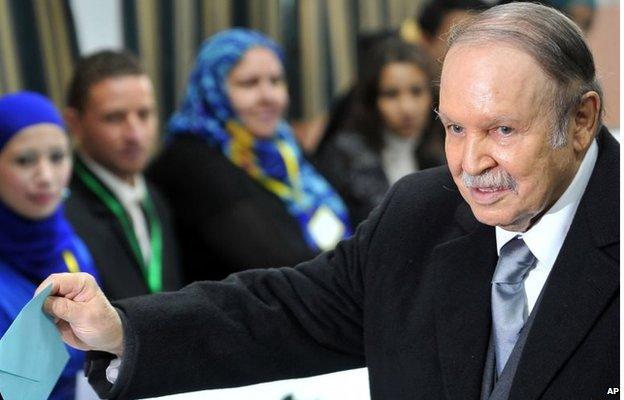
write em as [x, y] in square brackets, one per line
[390, 130]
[35, 238]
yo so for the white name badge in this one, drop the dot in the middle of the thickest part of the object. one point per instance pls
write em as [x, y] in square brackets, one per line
[326, 228]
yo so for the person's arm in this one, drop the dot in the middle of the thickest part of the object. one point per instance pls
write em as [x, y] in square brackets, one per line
[254, 326]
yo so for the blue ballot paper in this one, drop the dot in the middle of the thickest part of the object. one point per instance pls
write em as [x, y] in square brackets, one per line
[32, 354]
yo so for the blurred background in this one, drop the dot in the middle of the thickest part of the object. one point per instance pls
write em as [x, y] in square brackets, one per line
[41, 39]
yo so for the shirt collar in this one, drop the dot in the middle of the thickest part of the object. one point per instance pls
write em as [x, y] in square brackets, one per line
[398, 144]
[126, 193]
[546, 237]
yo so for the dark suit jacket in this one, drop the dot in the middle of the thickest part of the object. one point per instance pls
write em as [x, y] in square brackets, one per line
[119, 270]
[408, 296]
[225, 221]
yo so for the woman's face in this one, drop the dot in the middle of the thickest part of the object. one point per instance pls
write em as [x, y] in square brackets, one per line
[35, 165]
[257, 90]
[404, 99]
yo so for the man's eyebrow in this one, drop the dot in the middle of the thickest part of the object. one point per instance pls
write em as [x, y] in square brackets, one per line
[501, 119]
[114, 111]
[440, 114]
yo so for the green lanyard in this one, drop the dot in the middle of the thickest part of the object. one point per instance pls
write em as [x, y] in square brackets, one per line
[153, 271]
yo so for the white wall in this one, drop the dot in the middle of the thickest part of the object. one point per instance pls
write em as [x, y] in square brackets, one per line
[98, 24]
[345, 385]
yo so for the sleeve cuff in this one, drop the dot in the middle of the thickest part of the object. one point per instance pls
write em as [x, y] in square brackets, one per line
[106, 373]
[112, 371]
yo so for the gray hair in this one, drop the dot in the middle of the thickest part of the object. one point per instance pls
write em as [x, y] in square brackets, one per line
[553, 40]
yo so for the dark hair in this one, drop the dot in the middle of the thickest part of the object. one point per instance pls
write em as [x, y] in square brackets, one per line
[432, 14]
[366, 41]
[97, 67]
[552, 39]
[364, 116]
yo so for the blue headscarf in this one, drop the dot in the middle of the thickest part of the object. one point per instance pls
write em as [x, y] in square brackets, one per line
[30, 250]
[207, 112]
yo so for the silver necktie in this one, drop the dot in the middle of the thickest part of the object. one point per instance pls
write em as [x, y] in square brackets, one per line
[509, 303]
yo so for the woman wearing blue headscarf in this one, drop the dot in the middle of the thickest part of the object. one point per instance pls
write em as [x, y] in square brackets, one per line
[35, 238]
[242, 193]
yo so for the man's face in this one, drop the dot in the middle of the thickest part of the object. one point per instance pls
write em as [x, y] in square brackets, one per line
[494, 106]
[118, 125]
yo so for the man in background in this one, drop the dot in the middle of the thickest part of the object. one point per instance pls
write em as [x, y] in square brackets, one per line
[111, 113]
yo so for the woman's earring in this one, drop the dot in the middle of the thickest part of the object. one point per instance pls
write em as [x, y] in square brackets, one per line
[65, 193]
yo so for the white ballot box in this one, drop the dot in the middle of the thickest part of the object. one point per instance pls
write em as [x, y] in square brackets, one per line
[344, 385]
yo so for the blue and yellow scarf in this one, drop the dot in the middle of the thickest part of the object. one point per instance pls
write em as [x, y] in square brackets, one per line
[276, 163]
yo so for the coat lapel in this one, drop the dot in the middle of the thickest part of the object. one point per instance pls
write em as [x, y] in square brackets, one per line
[107, 218]
[583, 281]
[464, 268]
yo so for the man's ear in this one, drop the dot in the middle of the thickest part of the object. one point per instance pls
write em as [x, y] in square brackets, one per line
[72, 119]
[585, 121]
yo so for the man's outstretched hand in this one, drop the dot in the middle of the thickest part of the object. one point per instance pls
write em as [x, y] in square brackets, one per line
[84, 316]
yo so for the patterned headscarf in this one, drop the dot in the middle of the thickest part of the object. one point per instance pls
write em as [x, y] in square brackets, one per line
[277, 162]
[30, 250]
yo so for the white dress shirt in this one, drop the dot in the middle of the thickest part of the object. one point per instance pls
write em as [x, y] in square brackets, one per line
[546, 237]
[397, 156]
[130, 197]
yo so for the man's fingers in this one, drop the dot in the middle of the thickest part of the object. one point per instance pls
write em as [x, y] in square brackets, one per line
[49, 280]
[79, 286]
[70, 337]
[61, 308]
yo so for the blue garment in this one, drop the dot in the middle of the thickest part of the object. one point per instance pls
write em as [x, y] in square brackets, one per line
[13, 117]
[29, 252]
[206, 111]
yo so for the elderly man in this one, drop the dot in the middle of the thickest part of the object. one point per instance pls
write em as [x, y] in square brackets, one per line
[497, 280]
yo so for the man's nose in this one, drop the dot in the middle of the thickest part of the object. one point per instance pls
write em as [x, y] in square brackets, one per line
[476, 156]
[135, 126]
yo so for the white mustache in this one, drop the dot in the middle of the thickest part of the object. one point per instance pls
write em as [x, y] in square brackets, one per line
[490, 179]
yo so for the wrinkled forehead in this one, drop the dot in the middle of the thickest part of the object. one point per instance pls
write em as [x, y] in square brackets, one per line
[490, 69]
[487, 82]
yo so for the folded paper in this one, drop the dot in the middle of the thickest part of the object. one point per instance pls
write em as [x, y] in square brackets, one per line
[32, 353]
